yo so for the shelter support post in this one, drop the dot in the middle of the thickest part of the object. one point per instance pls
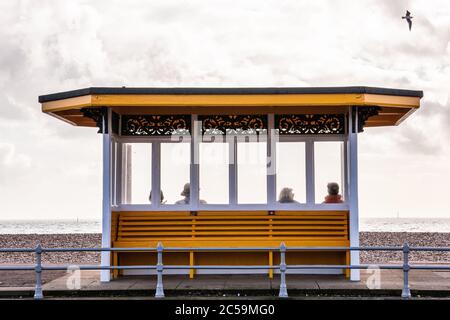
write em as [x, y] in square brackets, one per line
[105, 275]
[352, 160]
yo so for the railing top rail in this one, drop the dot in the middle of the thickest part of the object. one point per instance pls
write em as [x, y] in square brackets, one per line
[429, 248]
[288, 248]
[345, 248]
[147, 249]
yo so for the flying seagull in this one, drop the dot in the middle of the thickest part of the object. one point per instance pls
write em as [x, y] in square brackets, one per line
[408, 18]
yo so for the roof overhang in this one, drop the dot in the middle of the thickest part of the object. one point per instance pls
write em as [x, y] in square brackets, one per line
[395, 104]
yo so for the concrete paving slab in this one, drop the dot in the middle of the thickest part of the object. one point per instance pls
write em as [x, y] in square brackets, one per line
[7, 289]
[203, 282]
[425, 281]
[149, 282]
[248, 282]
[306, 282]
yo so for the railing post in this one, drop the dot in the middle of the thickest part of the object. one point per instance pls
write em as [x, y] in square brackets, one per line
[38, 271]
[159, 269]
[283, 289]
[406, 292]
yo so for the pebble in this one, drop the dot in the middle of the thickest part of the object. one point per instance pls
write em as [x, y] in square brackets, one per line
[414, 239]
[88, 240]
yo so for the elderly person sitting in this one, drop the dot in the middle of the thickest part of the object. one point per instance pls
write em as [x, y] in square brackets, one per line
[333, 193]
[286, 196]
[186, 193]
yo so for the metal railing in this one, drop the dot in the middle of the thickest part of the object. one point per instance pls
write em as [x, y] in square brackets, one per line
[282, 267]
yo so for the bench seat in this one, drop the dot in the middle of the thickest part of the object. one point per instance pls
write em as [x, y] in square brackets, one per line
[231, 229]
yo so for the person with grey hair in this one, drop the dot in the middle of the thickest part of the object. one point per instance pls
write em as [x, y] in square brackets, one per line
[333, 193]
[186, 193]
[286, 196]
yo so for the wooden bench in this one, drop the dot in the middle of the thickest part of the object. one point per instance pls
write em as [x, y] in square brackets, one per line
[232, 229]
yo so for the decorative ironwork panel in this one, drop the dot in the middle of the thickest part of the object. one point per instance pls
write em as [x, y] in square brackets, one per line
[115, 120]
[155, 125]
[365, 113]
[97, 115]
[310, 123]
[233, 124]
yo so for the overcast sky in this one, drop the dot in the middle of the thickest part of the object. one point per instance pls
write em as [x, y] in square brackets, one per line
[49, 169]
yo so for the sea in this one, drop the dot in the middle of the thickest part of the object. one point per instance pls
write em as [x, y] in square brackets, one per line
[94, 226]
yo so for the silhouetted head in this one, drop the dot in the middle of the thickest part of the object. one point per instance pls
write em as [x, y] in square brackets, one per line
[186, 190]
[286, 195]
[333, 188]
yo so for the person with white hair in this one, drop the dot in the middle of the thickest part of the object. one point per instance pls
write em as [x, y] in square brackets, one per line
[186, 193]
[286, 196]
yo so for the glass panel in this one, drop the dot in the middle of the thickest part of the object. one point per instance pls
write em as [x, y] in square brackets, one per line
[252, 172]
[137, 173]
[328, 171]
[213, 171]
[175, 173]
[291, 172]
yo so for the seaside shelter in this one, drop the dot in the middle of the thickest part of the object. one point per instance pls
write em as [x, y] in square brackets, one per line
[231, 167]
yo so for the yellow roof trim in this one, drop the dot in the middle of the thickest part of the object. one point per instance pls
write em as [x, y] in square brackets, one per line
[212, 100]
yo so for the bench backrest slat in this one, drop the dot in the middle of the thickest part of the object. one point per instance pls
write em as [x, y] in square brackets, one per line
[232, 225]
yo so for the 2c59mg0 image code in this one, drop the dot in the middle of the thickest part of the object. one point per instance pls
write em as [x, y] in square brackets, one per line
[226, 310]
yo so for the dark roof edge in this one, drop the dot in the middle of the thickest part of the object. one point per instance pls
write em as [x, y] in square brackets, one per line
[225, 90]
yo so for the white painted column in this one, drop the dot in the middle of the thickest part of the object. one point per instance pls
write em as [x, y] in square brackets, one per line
[194, 167]
[105, 275]
[156, 175]
[232, 169]
[271, 162]
[353, 192]
[310, 174]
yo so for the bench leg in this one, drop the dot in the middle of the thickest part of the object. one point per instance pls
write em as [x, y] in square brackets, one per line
[347, 262]
[191, 263]
[115, 262]
[270, 264]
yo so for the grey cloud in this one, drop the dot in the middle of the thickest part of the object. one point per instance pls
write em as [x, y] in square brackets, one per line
[414, 141]
[10, 110]
[13, 165]
[446, 121]
[168, 12]
[431, 108]
[54, 57]
[394, 8]
[13, 59]
[435, 110]
[67, 132]
[422, 49]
